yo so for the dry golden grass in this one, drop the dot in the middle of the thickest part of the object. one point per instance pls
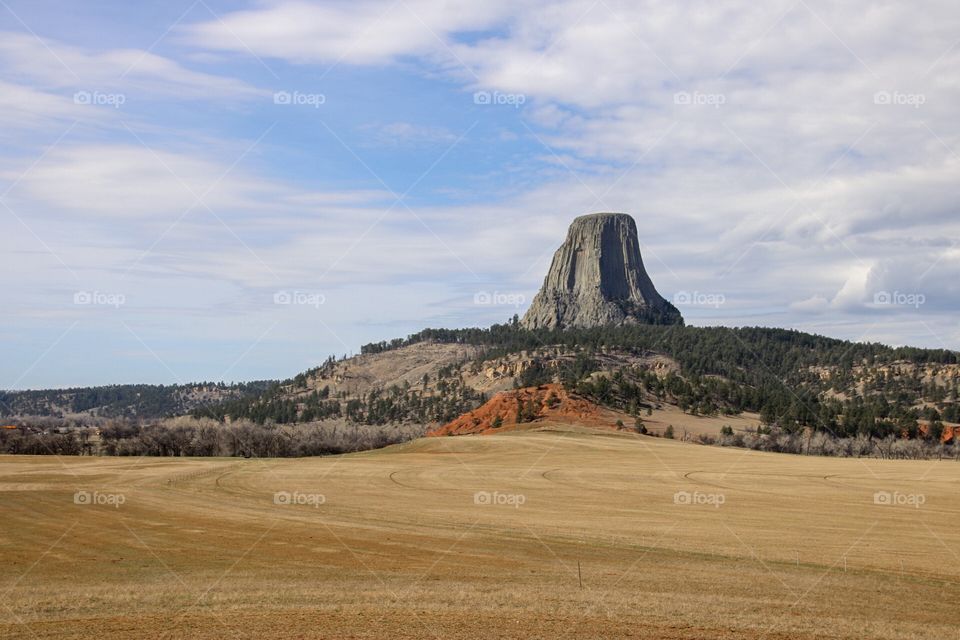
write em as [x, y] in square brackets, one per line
[401, 549]
[692, 426]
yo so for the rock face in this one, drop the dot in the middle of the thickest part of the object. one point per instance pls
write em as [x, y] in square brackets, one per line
[597, 279]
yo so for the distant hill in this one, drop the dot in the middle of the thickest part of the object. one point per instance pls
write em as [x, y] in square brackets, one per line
[790, 378]
[143, 401]
[774, 389]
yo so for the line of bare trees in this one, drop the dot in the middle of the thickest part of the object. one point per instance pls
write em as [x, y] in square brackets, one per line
[825, 444]
[187, 436]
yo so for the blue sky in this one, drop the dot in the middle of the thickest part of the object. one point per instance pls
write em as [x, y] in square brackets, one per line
[205, 190]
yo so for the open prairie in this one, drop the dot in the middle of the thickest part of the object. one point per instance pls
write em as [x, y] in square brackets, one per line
[555, 533]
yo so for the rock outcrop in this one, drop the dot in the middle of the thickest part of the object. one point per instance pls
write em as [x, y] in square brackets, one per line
[530, 408]
[597, 279]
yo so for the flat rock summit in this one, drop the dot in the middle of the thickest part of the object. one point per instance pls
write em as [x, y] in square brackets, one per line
[597, 278]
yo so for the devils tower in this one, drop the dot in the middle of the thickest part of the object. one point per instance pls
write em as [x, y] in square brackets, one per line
[597, 279]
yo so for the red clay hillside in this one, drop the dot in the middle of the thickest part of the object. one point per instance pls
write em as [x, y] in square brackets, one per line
[528, 408]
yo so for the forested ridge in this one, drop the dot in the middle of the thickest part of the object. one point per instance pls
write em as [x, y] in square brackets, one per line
[793, 379]
[797, 382]
[143, 401]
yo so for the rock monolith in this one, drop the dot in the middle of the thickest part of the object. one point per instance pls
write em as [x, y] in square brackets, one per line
[597, 278]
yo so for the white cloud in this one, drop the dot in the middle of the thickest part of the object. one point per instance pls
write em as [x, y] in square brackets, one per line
[129, 181]
[364, 32]
[24, 107]
[55, 66]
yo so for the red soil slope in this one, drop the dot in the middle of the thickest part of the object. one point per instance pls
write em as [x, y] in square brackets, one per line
[549, 402]
[950, 431]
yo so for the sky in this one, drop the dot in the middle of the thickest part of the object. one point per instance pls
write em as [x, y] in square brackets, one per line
[202, 190]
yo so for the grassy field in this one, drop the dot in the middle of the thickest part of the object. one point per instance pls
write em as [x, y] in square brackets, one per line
[559, 533]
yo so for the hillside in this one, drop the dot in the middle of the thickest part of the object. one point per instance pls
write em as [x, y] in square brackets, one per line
[529, 407]
[425, 382]
[552, 405]
[707, 384]
[791, 379]
[135, 401]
